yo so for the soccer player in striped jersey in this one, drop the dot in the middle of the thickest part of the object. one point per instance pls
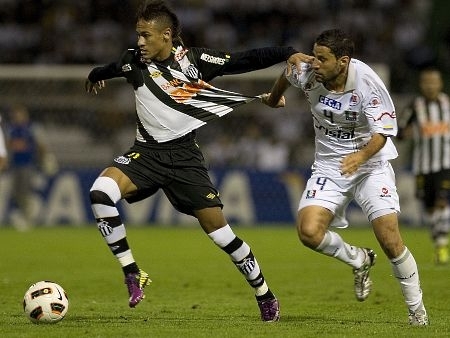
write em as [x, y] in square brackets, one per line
[427, 120]
[173, 99]
[354, 120]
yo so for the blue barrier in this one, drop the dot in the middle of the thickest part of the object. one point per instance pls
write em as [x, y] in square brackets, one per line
[249, 197]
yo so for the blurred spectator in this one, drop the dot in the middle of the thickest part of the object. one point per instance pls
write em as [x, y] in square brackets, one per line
[50, 31]
[26, 154]
[3, 152]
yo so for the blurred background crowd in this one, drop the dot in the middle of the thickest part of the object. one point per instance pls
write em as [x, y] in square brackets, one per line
[402, 35]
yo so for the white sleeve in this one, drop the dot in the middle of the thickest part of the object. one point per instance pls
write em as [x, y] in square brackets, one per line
[379, 108]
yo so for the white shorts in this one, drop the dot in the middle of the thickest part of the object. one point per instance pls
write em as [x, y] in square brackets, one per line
[374, 190]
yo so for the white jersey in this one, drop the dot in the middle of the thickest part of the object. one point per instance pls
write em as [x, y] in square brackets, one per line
[345, 122]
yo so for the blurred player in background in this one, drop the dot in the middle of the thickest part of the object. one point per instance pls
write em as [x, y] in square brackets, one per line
[354, 120]
[3, 152]
[427, 121]
[172, 101]
[25, 153]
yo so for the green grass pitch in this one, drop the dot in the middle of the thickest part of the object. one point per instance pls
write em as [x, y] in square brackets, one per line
[197, 292]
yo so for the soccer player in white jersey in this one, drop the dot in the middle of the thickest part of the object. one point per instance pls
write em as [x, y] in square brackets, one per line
[427, 120]
[354, 120]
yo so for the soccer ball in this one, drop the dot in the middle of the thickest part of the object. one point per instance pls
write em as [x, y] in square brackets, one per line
[45, 302]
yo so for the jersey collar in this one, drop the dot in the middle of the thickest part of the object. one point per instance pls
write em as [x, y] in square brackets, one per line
[350, 85]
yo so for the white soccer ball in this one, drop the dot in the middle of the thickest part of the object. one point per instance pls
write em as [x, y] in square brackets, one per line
[45, 302]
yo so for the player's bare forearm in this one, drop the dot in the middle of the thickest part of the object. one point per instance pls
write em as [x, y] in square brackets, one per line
[352, 162]
[275, 98]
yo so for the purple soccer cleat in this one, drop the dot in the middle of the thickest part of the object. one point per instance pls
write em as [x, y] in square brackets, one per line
[136, 282]
[270, 310]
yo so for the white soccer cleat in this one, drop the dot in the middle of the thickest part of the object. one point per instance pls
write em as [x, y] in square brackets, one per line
[363, 283]
[418, 317]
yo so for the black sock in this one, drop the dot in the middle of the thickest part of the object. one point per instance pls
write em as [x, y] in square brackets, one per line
[267, 295]
[130, 268]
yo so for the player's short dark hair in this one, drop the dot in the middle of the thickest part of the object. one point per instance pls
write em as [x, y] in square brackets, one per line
[339, 42]
[150, 10]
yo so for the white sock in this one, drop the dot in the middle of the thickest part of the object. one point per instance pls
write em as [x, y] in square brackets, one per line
[333, 245]
[125, 258]
[405, 270]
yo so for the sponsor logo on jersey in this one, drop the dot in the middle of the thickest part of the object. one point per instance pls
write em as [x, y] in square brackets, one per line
[122, 160]
[155, 74]
[126, 68]
[212, 59]
[311, 194]
[171, 84]
[210, 196]
[351, 115]
[434, 128]
[337, 133]
[385, 192]
[330, 102]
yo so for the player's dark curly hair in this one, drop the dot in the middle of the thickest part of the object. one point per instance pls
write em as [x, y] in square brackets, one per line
[158, 10]
[339, 42]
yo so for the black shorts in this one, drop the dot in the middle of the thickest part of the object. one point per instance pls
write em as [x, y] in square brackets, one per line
[177, 167]
[432, 187]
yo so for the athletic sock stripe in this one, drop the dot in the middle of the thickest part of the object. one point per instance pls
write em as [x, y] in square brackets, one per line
[119, 246]
[256, 282]
[104, 211]
[235, 244]
[99, 197]
[113, 222]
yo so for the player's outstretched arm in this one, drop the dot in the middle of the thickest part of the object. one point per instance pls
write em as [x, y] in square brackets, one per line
[275, 98]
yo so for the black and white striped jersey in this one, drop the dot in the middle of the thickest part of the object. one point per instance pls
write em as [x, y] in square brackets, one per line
[173, 97]
[431, 131]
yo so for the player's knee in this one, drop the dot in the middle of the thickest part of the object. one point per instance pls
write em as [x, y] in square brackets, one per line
[308, 236]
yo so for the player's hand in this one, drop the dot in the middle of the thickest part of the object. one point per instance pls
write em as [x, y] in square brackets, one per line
[295, 60]
[351, 163]
[265, 98]
[93, 87]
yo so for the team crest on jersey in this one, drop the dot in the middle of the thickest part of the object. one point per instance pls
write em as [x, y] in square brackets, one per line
[191, 71]
[311, 194]
[354, 100]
